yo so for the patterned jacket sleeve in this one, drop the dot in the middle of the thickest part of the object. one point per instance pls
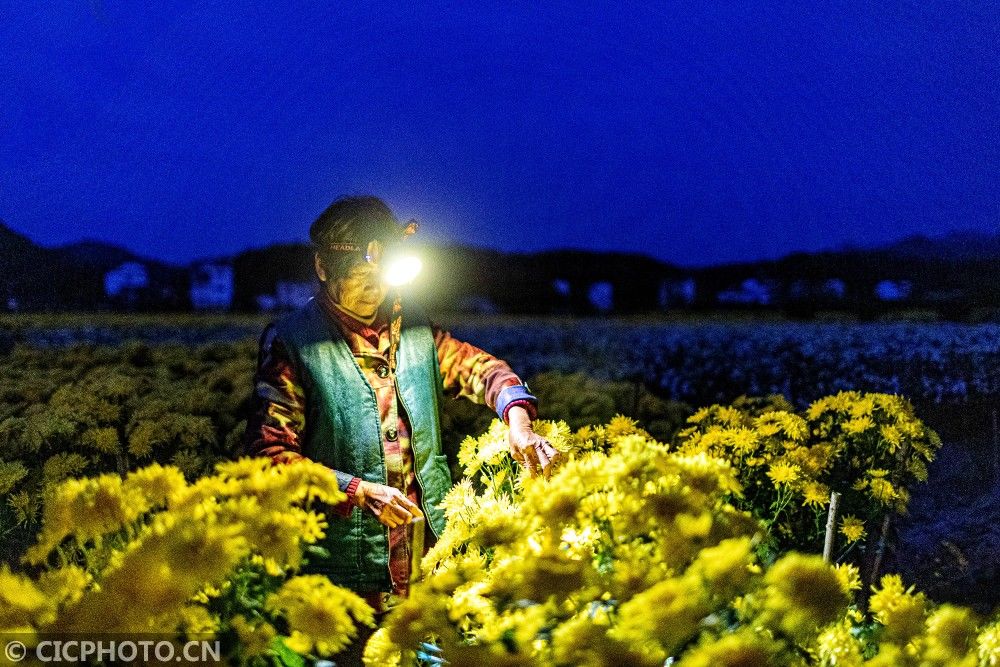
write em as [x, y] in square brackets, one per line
[471, 373]
[277, 419]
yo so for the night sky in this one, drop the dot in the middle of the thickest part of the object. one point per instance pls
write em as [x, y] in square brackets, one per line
[697, 132]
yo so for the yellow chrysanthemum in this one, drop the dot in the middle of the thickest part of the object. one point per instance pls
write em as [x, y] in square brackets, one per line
[459, 498]
[196, 621]
[950, 634]
[742, 440]
[22, 601]
[254, 639]
[849, 576]
[803, 594]
[858, 425]
[11, 472]
[322, 617]
[794, 427]
[156, 483]
[381, 652]
[87, 508]
[838, 646]
[816, 494]
[699, 416]
[891, 436]
[744, 648]
[620, 425]
[862, 406]
[852, 528]
[783, 473]
[882, 490]
[469, 608]
[988, 645]
[899, 609]
[726, 568]
[206, 594]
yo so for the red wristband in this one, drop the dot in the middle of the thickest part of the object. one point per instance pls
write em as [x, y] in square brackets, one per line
[344, 507]
[527, 405]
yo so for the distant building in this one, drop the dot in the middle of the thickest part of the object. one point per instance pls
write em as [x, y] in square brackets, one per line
[292, 295]
[212, 286]
[288, 295]
[893, 290]
[601, 296]
[751, 291]
[675, 293]
[126, 280]
[834, 288]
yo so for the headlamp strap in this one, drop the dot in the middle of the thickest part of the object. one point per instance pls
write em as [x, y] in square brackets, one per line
[371, 251]
[409, 229]
[344, 247]
[395, 330]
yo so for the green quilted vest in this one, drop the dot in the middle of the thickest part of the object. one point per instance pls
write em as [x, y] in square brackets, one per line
[344, 432]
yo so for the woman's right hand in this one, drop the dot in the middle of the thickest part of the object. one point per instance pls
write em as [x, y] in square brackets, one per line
[389, 505]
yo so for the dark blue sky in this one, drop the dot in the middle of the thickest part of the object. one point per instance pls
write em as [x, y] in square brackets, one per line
[693, 131]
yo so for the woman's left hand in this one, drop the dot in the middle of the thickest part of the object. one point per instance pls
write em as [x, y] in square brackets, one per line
[530, 449]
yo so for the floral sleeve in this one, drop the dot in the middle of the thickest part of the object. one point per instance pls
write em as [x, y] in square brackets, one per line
[469, 372]
[277, 422]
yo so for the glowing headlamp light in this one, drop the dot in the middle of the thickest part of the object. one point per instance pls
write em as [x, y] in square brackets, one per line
[397, 267]
[401, 270]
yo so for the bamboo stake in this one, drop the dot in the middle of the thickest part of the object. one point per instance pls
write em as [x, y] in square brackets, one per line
[880, 549]
[831, 526]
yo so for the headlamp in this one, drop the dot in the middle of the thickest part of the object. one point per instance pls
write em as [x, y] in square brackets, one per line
[397, 267]
[401, 270]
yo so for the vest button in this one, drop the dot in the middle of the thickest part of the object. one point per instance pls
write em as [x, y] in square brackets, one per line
[391, 434]
[382, 371]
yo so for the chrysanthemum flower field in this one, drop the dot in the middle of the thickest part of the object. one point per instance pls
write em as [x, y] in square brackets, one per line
[673, 536]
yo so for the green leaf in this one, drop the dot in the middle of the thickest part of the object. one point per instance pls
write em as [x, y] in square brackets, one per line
[316, 551]
[285, 656]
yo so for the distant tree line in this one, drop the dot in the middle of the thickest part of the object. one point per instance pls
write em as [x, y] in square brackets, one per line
[865, 284]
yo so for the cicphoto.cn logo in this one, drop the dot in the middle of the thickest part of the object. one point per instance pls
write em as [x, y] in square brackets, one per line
[118, 651]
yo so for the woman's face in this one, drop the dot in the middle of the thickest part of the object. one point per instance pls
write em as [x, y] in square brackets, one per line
[360, 292]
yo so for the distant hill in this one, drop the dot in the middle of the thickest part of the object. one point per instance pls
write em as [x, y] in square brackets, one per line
[38, 278]
[97, 254]
[957, 246]
[258, 271]
[943, 273]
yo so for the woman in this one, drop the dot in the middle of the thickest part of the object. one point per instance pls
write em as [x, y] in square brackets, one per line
[355, 381]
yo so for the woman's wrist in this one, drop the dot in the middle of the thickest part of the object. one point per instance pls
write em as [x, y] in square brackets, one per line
[518, 415]
[515, 395]
[354, 493]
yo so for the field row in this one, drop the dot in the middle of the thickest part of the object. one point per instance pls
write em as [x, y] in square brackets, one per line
[708, 363]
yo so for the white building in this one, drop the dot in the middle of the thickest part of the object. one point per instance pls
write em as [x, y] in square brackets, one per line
[893, 290]
[750, 292]
[677, 292]
[288, 295]
[212, 287]
[128, 277]
[602, 297]
[834, 288]
[291, 295]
